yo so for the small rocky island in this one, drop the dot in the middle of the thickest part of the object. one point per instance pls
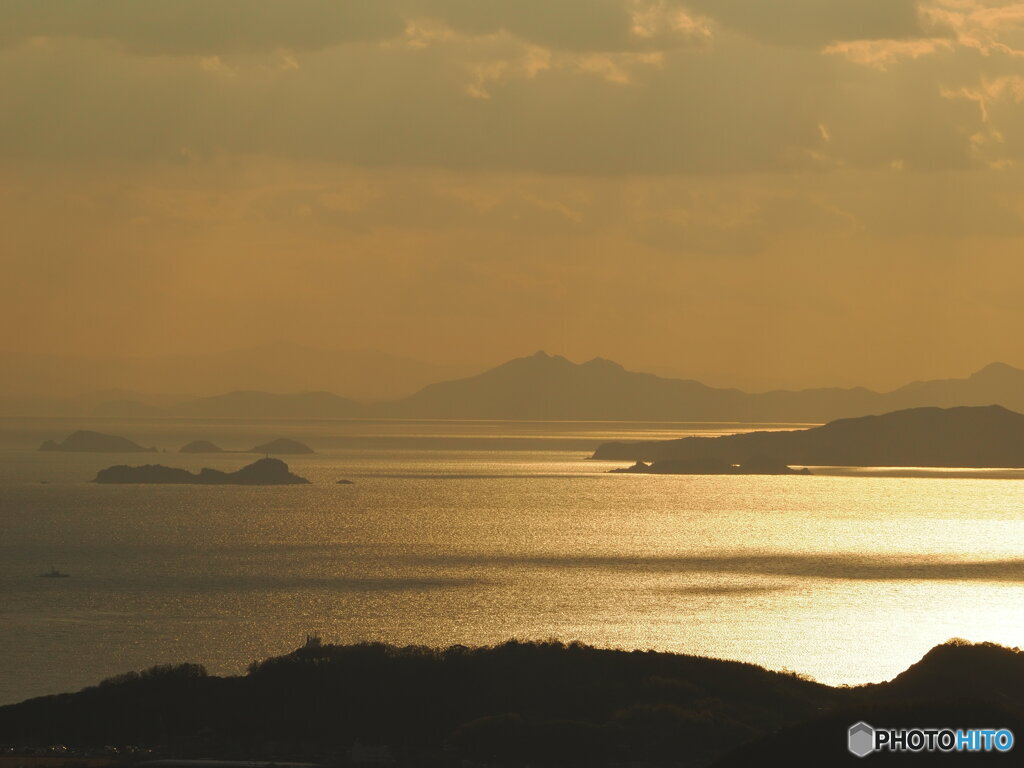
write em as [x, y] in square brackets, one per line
[201, 446]
[282, 445]
[760, 465]
[262, 472]
[85, 440]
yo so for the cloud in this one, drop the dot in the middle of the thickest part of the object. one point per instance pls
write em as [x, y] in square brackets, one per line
[567, 87]
[816, 23]
[572, 25]
[483, 104]
[987, 25]
[217, 27]
[881, 54]
[191, 27]
[608, 177]
[212, 27]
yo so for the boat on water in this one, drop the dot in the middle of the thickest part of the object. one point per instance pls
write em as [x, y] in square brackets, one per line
[54, 574]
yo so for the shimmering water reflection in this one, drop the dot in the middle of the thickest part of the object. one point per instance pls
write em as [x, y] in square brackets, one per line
[849, 579]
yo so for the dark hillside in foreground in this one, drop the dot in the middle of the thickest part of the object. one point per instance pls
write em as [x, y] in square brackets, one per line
[955, 685]
[516, 704]
[988, 436]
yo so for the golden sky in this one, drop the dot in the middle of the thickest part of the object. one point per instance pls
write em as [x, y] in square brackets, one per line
[792, 193]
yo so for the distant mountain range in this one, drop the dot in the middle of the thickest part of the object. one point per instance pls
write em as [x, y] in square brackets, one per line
[544, 386]
[54, 381]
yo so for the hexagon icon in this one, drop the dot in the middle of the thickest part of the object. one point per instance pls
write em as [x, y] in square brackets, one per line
[860, 739]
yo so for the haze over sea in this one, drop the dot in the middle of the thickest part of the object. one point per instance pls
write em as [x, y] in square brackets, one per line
[475, 532]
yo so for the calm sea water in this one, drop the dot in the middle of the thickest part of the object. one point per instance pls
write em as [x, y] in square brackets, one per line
[475, 532]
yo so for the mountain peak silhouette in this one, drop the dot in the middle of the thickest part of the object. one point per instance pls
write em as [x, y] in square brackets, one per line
[997, 370]
[601, 363]
[538, 361]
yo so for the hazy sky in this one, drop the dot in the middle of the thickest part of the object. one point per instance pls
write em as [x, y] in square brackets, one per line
[792, 192]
